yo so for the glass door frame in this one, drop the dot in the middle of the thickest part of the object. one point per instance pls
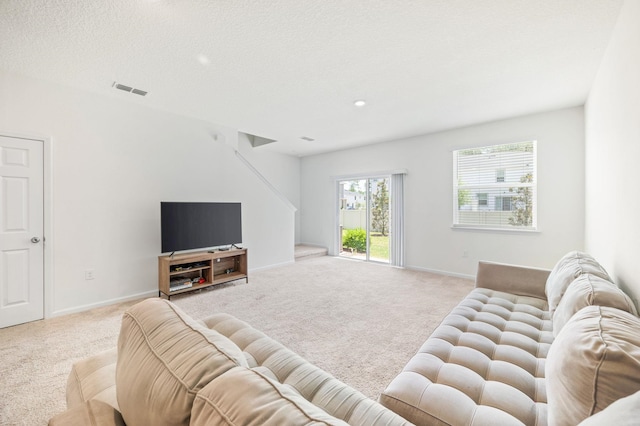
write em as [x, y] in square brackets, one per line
[369, 180]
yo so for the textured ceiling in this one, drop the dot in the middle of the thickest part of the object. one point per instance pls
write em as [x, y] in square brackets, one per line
[283, 69]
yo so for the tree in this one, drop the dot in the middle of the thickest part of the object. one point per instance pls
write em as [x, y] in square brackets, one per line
[522, 214]
[380, 208]
[463, 195]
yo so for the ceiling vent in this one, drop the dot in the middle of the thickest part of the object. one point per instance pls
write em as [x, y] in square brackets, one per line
[129, 89]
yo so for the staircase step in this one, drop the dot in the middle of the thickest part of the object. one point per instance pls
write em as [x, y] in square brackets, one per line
[303, 251]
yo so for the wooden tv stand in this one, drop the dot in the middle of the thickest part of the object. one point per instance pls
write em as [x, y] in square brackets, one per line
[210, 268]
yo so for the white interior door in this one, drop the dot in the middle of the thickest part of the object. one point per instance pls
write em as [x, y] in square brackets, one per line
[21, 230]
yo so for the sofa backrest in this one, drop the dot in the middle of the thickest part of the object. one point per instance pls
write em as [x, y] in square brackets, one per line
[173, 370]
[164, 358]
[275, 361]
[243, 396]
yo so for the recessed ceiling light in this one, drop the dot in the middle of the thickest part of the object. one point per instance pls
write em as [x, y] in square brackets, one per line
[307, 138]
[203, 59]
[359, 103]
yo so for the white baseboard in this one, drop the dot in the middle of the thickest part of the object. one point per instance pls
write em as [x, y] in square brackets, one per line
[447, 273]
[144, 295]
[82, 308]
[275, 265]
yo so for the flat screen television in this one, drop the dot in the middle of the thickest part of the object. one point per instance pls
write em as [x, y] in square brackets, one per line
[189, 226]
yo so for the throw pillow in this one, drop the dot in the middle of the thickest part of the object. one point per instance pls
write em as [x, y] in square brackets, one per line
[588, 290]
[623, 412]
[594, 361]
[570, 267]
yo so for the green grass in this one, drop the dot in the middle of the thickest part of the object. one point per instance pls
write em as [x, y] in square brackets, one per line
[379, 246]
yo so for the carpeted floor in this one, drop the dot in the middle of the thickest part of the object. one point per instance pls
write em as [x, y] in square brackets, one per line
[359, 321]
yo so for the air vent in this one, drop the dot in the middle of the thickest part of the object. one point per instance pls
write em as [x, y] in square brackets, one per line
[129, 89]
[307, 138]
[123, 87]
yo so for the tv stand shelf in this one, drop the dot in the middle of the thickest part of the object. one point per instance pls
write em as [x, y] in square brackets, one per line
[186, 272]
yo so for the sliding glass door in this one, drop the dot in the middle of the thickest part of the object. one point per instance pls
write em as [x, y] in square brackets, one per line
[364, 218]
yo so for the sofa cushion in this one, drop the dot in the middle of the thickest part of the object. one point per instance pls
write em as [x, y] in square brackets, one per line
[484, 364]
[89, 413]
[570, 267]
[245, 397]
[164, 358]
[587, 290]
[594, 361]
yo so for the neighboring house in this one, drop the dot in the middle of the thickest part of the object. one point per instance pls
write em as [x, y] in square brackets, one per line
[351, 200]
[491, 188]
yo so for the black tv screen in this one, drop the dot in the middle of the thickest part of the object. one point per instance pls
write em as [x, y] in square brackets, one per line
[188, 226]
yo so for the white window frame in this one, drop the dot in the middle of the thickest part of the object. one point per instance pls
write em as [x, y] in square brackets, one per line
[476, 189]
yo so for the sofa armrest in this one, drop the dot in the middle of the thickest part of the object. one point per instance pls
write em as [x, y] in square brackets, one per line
[514, 279]
[93, 412]
[93, 378]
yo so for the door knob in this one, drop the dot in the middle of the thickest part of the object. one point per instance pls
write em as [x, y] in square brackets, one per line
[35, 240]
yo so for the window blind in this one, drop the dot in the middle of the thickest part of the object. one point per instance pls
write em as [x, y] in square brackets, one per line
[495, 186]
[397, 219]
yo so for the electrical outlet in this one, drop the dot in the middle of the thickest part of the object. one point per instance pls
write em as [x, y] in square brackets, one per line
[89, 274]
[465, 253]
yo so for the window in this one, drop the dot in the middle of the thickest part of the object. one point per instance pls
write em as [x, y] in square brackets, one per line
[495, 186]
[503, 204]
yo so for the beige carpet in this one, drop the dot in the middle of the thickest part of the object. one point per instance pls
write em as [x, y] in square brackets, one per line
[359, 321]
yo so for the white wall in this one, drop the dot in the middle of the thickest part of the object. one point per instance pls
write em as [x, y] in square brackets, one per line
[282, 171]
[431, 243]
[612, 117]
[113, 162]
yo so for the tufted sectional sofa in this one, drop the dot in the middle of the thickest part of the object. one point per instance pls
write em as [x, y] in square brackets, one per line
[528, 347]
[170, 369]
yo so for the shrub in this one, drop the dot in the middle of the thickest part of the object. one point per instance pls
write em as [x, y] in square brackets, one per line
[355, 239]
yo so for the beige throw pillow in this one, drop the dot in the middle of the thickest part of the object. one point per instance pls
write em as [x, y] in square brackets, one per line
[164, 358]
[245, 397]
[623, 412]
[587, 290]
[594, 361]
[570, 267]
